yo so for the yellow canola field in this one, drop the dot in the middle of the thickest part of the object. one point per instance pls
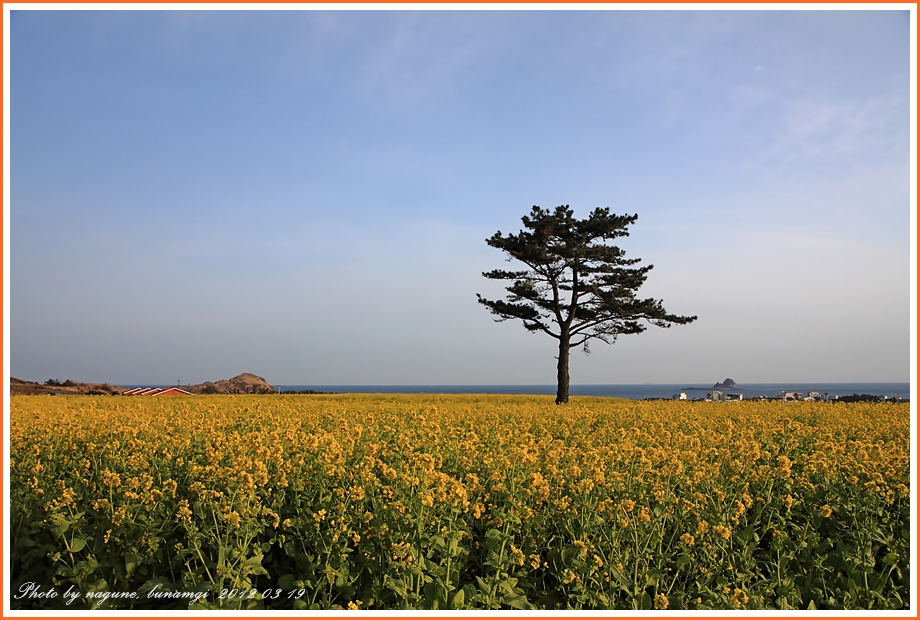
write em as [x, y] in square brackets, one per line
[459, 501]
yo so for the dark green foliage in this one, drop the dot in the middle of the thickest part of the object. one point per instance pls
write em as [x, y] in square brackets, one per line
[865, 398]
[576, 287]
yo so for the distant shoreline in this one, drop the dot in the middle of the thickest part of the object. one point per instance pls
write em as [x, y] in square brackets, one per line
[640, 391]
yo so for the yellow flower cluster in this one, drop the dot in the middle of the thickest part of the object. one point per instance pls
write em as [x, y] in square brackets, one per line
[360, 473]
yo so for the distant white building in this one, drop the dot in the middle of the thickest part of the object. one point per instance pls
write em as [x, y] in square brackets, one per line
[717, 396]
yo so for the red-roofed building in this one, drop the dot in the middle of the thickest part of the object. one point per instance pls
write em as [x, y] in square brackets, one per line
[165, 391]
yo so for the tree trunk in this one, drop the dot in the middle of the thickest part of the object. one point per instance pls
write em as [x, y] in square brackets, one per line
[562, 372]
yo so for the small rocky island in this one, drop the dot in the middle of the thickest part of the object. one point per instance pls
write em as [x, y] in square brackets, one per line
[728, 384]
[246, 383]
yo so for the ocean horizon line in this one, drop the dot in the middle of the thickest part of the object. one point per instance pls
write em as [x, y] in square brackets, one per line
[633, 391]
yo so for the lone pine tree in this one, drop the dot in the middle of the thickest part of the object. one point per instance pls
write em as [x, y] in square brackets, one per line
[576, 287]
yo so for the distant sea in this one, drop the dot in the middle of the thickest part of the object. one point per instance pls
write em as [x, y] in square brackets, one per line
[632, 391]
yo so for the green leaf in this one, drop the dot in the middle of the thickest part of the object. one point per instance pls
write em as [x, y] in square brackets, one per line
[622, 579]
[570, 553]
[59, 524]
[891, 558]
[253, 566]
[457, 600]
[77, 545]
[518, 602]
[396, 586]
[644, 601]
[494, 540]
[652, 576]
[286, 582]
[435, 595]
[507, 586]
[469, 591]
[131, 562]
[747, 534]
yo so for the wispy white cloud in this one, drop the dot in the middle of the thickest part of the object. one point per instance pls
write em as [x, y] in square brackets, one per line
[830, 128]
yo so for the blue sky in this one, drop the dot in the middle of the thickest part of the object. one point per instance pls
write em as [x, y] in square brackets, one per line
[305, 195]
